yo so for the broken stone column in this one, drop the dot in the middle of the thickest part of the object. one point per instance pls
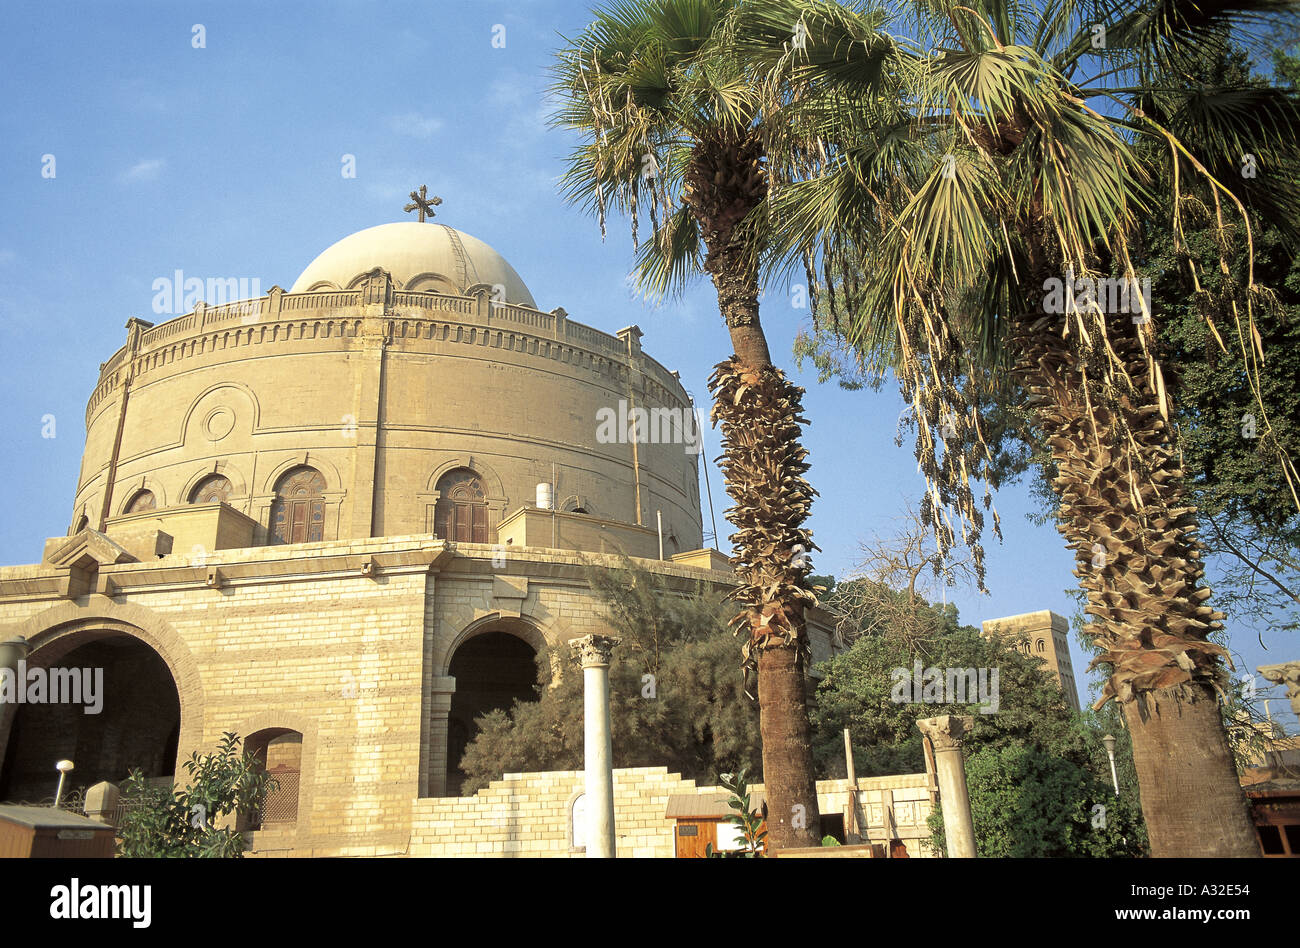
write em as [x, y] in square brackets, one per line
[945, 733]
[598, 751]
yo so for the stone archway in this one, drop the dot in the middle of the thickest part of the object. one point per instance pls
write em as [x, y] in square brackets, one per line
[55, 633]
[492, 668]
[102, 698]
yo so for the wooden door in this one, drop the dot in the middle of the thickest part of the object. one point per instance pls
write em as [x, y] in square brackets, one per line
[692, 836]
[461, 513]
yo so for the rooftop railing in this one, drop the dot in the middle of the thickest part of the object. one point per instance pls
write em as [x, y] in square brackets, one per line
[280, 307]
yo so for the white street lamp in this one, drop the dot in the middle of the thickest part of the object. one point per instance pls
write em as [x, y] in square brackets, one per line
[1109, 741]
[62, 767]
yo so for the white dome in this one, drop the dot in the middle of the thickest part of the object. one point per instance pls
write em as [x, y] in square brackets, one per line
[429, 256]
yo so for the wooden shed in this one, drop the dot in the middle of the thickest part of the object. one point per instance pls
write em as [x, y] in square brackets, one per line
[703, 819]
[42, 832]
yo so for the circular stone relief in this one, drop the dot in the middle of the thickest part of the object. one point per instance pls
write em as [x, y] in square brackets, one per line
[219, 423]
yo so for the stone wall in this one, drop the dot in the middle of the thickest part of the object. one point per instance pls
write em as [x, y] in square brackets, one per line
[528, 815]
[382, 402]
[347, 643]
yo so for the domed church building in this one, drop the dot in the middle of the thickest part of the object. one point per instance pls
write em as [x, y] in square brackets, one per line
[342, 521]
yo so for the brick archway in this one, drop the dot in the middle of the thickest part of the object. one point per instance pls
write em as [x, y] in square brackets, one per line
[493, 667]
[63, 627]
[118, 641]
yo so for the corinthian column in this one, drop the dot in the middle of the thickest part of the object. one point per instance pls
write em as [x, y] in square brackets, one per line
[598, 752]
[1286, 674]
[945, 733]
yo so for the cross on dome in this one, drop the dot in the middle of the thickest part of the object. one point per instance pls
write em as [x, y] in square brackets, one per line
[422, 203]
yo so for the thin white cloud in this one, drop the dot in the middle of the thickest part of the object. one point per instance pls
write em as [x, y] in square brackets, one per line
[145, 170]
[7, 256]
[415, 125]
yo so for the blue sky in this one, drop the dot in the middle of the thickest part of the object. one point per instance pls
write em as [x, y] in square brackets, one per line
[225, 161]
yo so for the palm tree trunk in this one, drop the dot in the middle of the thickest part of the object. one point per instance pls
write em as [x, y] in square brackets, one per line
[1124, 510]
[763, 467]
[1191, 795]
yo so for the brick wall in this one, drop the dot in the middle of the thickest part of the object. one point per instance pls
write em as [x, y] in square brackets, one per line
[298, 638]
[528, 814]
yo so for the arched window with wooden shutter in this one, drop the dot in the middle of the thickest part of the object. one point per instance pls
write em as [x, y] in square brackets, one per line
[298, 512]
[462, 510]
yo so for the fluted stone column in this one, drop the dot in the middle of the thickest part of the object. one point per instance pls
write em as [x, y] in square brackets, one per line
[598, 752]
[945, 733]
[11, 653]
[1286, 674]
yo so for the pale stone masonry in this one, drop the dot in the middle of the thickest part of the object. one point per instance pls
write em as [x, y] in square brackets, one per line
[313, 519]
[1046, 635]
[530, 815]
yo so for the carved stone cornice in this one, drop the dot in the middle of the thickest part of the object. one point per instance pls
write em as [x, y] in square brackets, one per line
[947, 730]
[1286, 674]
[594, 650]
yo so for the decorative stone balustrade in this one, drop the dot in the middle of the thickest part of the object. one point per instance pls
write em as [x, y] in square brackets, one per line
[281, 317]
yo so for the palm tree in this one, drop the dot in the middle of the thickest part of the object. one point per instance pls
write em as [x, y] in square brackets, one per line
[673, 124]
[994, 226]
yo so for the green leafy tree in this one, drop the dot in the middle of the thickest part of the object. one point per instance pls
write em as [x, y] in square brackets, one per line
[1023, 162]
[182, 822]
[1235, 410]
[1028, 803]
[858, 690]
[676, 695]
[1033, 736]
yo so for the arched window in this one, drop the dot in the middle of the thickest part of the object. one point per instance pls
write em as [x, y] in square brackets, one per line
[462, 512]
[578, 503]
[1042, 646]
[212, 489]
[298, 512]
[578, 822]
[279, 752]
[142, 501]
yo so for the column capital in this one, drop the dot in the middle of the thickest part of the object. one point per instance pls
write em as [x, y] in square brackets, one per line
[594, 650]
[1286, 674]
[947, 730]
[443, 685]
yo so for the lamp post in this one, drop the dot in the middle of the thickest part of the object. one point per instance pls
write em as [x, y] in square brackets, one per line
[62, 767]
[1109, 741]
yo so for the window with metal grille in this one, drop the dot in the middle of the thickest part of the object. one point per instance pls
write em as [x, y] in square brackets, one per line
[462, 511]
[298, 512]
[281, 804]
